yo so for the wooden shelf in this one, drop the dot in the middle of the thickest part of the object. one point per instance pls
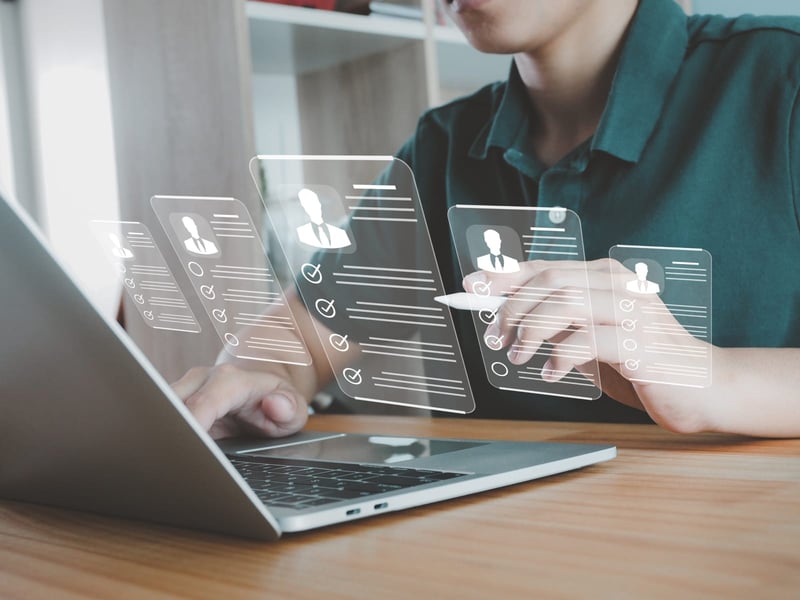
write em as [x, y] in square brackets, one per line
[292, 40]
[287, 40]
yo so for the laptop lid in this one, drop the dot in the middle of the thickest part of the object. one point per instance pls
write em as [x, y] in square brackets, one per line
[88, 423]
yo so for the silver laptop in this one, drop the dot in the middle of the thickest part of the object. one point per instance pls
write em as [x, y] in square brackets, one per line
[88, 423]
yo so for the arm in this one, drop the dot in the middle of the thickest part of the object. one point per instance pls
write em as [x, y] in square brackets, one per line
[757, 394]
[239, 396]
[754, 390]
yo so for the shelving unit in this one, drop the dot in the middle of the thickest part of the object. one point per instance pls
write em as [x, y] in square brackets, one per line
[287, 40]
[200, 86]
[313, 69]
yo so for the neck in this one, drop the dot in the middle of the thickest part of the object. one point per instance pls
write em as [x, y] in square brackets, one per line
[317, 220]
[568, 79]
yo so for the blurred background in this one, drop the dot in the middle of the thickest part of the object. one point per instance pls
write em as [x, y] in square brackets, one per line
[104, 103]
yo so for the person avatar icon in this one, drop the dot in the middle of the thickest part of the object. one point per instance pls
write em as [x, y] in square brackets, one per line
[496, 261]
[317, 232]
[641, 285]
[119, 250]
[196, 244]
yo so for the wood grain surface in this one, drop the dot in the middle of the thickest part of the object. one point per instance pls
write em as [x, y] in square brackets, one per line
[673, 516]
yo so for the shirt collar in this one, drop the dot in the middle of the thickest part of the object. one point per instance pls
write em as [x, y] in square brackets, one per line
[650, 59]
[511, 118]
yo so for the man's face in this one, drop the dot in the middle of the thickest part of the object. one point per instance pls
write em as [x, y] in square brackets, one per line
[512, 26]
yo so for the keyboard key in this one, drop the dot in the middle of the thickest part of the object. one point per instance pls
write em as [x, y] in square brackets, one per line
[304, 484]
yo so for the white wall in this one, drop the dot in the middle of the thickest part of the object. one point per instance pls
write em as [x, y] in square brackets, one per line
[6, 160]
[73, 146]
[16, 167]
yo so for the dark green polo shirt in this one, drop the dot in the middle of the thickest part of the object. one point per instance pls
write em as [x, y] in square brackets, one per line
[698, 146]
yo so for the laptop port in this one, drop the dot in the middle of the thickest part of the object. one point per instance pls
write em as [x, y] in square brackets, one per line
[381, 505]
[353, 511]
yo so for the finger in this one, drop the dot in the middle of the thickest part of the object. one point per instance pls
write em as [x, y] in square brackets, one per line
[597, 345]
[557, 315]
[570, 283]
[260, 401]
[190, 382]
[275, 407]
[285, 412]
[224, 390]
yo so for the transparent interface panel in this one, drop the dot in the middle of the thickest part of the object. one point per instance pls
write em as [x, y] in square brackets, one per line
[223, 256]
[512, 245]
[358, 247]
[147, 279]
[663, 305]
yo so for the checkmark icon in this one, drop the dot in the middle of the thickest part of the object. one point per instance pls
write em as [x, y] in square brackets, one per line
[339, 342]
[352, 376]
[482, 288]
[312, 273]
[632, 364]
[220, 315]
[325, 308]
[487, 317]
[208, 292]
[494, 342]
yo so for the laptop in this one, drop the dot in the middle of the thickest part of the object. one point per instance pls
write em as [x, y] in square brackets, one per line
[89, 424]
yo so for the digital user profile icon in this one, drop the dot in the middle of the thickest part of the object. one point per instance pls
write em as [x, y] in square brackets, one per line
[317, 232]
[494, 248]
[648, 279]
[117, 247]
[195, 234]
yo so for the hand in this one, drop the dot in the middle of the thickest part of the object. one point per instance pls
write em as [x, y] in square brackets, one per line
[559, 306]
[228, 401]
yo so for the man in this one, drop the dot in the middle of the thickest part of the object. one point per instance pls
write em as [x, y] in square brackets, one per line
[657, 129]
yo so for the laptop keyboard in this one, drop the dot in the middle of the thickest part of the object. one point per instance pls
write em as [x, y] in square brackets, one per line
[303, 484]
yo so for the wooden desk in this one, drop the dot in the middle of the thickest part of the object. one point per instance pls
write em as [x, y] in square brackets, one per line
[681, 516]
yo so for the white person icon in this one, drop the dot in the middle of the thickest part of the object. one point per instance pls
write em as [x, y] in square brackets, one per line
[118, 249]
[641, 285]
[496, 261]
[195, 243]
[317, 232]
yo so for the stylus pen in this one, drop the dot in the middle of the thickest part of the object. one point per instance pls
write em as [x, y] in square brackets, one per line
[474, 302]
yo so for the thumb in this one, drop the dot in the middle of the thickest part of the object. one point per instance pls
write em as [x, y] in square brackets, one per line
[284, 411]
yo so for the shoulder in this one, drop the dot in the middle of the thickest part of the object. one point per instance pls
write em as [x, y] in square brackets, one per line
[716, 28]
[766, 43]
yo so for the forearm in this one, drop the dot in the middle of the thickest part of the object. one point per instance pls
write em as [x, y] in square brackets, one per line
[756, 392]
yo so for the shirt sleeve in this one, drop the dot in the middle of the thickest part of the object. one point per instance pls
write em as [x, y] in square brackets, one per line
[794, 153]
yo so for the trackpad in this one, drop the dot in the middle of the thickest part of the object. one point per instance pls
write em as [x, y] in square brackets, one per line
[373, 449]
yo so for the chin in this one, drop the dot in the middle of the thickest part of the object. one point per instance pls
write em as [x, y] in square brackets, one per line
[492, 41]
